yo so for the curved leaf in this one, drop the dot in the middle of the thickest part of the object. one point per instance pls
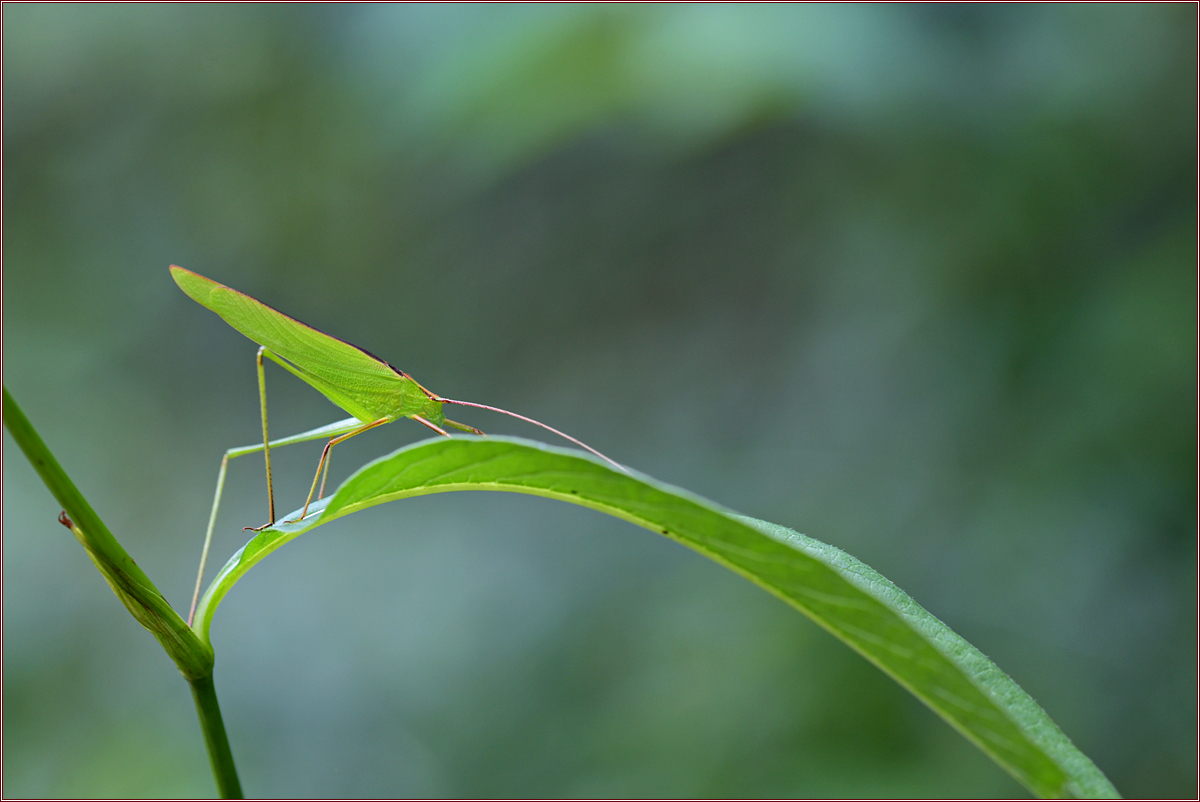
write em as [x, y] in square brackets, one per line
[846, 597]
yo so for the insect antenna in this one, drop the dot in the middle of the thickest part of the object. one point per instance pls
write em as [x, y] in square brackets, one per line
[563, 435]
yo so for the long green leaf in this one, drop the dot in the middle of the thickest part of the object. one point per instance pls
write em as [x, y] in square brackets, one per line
[849, 599]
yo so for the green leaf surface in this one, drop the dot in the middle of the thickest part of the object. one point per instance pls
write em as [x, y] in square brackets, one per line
[846, 597]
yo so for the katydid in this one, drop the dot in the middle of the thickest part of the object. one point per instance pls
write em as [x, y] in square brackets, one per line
[371, 390]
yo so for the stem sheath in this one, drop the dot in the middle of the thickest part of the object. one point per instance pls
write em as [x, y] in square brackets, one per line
[135, 590]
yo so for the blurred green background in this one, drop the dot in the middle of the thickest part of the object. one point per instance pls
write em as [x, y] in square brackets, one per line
[917, 281]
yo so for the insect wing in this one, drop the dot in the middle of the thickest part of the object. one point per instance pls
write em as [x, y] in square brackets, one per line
[358, 382]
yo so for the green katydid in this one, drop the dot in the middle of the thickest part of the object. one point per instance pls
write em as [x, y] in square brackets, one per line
[371, 390]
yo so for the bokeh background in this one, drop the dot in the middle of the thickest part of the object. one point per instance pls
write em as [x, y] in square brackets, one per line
[917, 281]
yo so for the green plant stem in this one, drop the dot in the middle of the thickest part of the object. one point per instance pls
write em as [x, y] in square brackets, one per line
[134, 589]
[64, 490]
[219, 754]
